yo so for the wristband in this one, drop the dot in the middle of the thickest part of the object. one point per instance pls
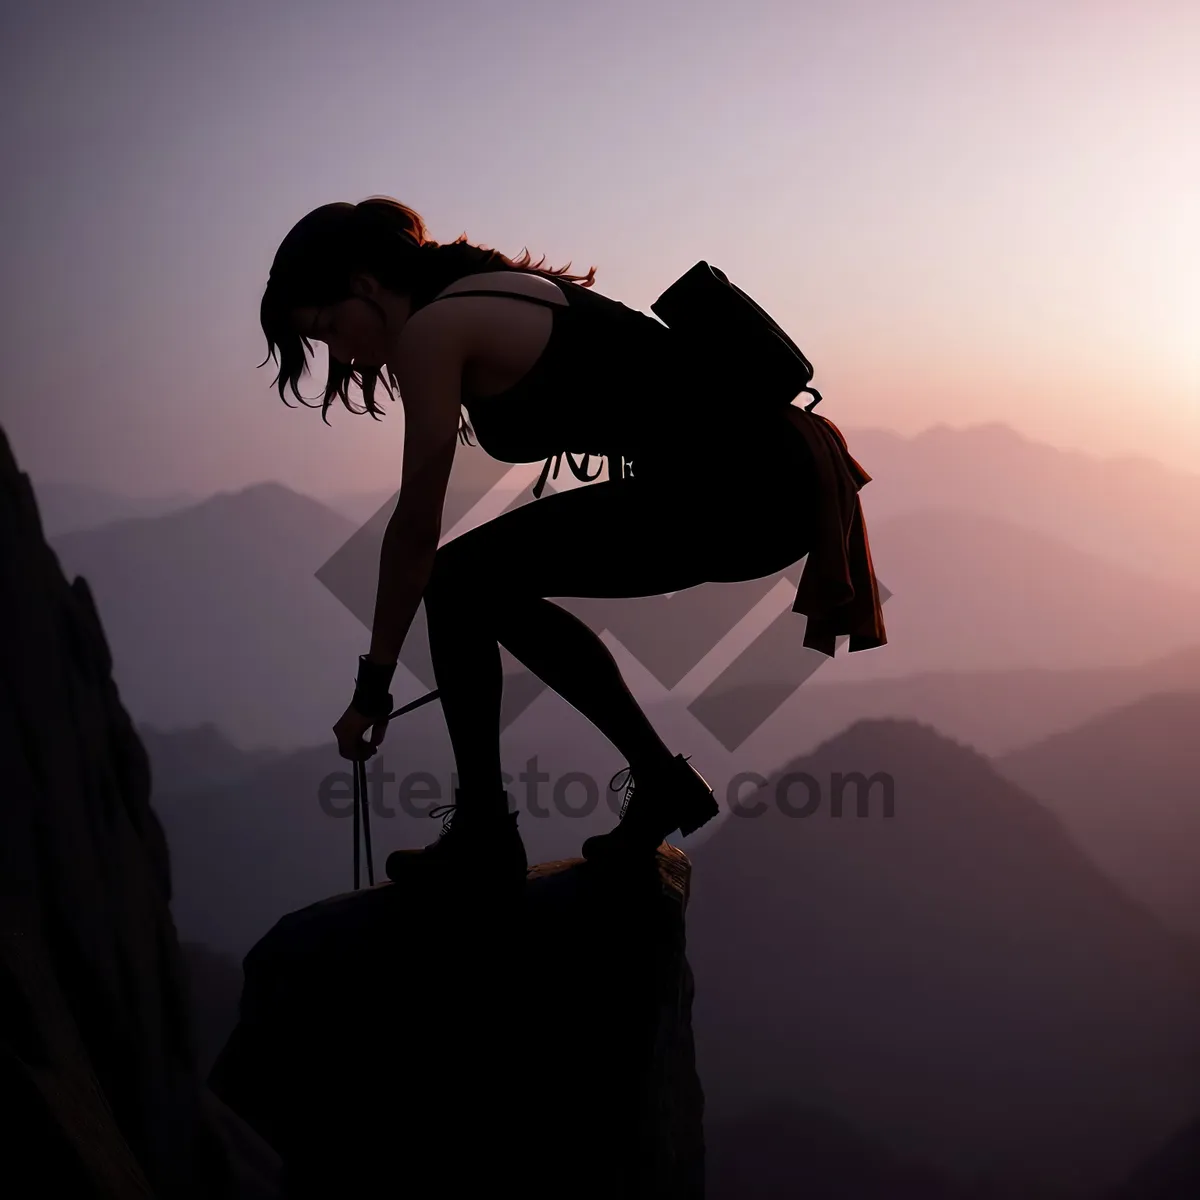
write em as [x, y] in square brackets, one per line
[374, 705]
[371, 695]
[374, 675]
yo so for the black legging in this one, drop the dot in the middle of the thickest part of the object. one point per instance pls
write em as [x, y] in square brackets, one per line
[744, 517]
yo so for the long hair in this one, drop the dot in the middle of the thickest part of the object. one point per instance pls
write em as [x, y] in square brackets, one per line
[320, 255]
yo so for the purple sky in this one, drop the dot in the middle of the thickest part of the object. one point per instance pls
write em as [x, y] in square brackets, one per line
[961, 211]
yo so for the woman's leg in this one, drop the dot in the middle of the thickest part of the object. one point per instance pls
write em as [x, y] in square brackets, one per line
[620, 538]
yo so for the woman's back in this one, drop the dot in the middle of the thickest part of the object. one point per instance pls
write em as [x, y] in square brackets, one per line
[610, 381]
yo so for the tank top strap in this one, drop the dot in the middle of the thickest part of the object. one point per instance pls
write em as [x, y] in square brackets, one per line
[508, 295]
[619, 465]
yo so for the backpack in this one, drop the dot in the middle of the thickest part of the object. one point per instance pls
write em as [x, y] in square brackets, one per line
[728, 341]
[732, 340]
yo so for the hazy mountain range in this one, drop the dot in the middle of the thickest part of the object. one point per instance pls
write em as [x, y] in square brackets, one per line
[215, 614]
[1133, 510]
[1122, 782]
[994, 710]
[70, 507]
[957, 979]
[1126, 786]
[971, 591]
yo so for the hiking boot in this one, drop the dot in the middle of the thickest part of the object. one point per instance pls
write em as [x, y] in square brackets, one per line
[474, 843]
[674, 796]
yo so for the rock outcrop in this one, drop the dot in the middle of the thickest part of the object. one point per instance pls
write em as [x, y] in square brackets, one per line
[393, 1041]
[98, 1074]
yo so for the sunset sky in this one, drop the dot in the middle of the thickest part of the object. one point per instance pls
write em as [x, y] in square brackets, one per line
[962, 211]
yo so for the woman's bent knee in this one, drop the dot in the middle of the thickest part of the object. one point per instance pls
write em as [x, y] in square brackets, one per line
[462, 577]
[450, 578]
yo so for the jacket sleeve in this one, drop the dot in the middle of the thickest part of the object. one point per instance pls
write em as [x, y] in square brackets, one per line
[838, 591]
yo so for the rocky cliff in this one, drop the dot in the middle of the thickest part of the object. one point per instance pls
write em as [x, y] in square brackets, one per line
[98, 1073]
[393, 1041]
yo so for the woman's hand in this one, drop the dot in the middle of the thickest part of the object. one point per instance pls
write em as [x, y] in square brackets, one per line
[349, 733]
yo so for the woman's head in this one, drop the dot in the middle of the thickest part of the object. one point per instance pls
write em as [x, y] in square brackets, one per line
[341, 275]
[350, 275]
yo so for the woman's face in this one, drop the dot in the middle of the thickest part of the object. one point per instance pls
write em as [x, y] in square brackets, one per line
[352, 329]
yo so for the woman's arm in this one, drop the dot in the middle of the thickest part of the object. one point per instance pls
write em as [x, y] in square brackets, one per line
[428, 366]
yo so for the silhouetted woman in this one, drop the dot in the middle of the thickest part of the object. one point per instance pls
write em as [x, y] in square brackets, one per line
[697, 491]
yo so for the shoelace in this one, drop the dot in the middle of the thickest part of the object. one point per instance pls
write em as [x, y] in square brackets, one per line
[362, 822]
[629, 782]
[446, 812]
[616, 787]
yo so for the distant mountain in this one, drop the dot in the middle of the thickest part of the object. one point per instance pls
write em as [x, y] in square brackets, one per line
[69, 507]
[358, 507]
[214, 614]
[1133, 511]
[994, 711]
[974, 592]
[957, 979]
[188, 759]
[1126, 784]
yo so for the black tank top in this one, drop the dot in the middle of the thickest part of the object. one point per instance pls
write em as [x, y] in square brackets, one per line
[609, 384]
